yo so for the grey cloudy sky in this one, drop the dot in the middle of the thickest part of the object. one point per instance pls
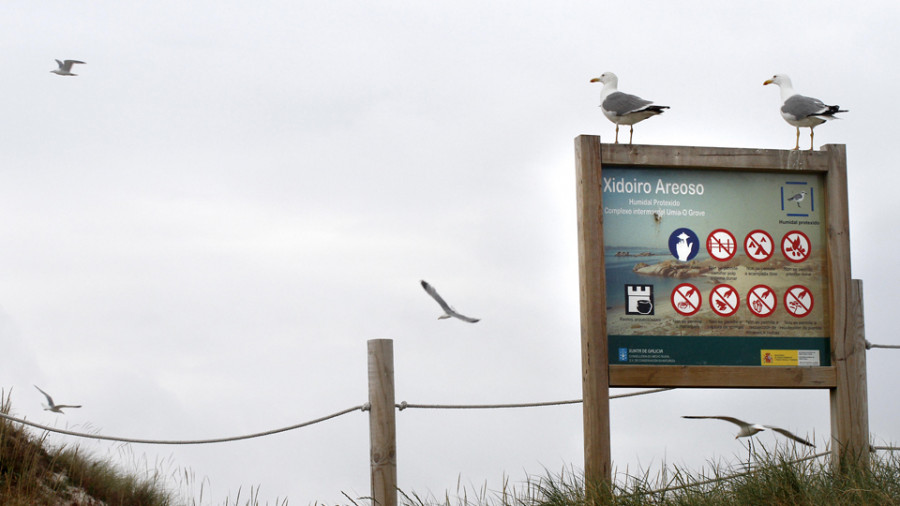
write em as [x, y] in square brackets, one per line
[202, 229]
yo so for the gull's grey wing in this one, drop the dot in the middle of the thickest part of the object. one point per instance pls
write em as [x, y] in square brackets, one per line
[622, 103]
[431, 291]
[726, 418]
[789, 434]
[67, 406]
[66, 65]
[49, 399]
[801, 107]
[462, 317]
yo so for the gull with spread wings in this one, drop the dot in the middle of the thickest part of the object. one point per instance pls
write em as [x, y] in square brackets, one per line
[749, 429]
[448, 311]
[51, 406]
[65, 67]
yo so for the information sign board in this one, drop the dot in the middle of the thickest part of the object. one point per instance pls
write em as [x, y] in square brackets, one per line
[707, 267]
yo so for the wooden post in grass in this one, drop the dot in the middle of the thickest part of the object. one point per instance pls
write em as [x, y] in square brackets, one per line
[849, 396]
[382, 423]
[849, 399]
[594, 353]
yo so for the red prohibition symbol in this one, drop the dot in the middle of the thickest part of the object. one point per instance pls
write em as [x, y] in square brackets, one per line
[762, 301]
[795, 246]
[686, 299]
[798, 301]
[724, 300]
[721, 245]
[759, 246]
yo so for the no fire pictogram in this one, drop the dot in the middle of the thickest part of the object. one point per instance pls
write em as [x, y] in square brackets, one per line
[795, 246]
[721, 245]
[686, 299]
[724, 300]
[798, 301]
[761, 301]
[759, 246]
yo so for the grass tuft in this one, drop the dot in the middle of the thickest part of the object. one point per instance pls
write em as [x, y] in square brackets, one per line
[777, 478]
[31, 474]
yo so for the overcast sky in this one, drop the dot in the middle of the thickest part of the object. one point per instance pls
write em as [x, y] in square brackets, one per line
[202, 229]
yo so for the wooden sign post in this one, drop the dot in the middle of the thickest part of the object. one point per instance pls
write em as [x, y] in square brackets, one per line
[717, 268]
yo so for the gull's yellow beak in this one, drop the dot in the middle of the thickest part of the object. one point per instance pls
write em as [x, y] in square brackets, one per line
[768, 81]
[595, 80]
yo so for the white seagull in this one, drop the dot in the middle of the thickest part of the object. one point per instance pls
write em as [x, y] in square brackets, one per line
[798, 198]
[50, 406]
[622, 108]
[65, 67]
[749, 429]
[448, 311]
[802, 111]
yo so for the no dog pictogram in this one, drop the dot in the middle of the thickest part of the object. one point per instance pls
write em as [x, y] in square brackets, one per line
[686, 299]
[724, 300]
[761, 301]
[721, 245]
[798, 301]
[759, 246]
[795, 246]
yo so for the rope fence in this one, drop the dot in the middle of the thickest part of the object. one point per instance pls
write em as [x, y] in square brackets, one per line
[404, 405]
[870, 345]
[362, 407]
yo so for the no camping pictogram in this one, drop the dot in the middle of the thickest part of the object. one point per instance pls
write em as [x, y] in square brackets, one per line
[759, 246]
[795, 246]
[686, 299]
[761, 301]
[798, 301]
[724, 300]
[721, 245]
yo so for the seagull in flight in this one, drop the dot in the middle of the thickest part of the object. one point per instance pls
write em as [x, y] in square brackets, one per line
[798, 198]
[56, 408]
[749, 429]
[802, 111]
[448, 311]
[65, 67]
[622, 108]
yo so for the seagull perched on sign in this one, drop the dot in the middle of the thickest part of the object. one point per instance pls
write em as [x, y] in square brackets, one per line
[448, 311]
[798, 198]
[622, 108]
[802, 111]
[65, 67]
[50, 406]
[749, 429]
